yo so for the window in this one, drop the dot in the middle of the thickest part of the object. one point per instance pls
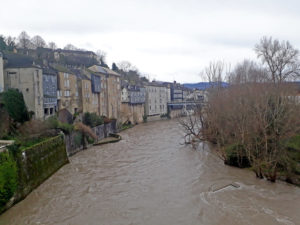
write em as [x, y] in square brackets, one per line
[67, 93]
[67, 83]
[66, 75]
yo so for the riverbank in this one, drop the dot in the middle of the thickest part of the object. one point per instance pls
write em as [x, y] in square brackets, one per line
[23, 170]
[154, 180]
[288, 173]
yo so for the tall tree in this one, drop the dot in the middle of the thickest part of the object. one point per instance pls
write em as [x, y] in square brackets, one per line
[38, 42]
[280, 58]
[126, 66]
[70, 47]
[24, 40]
[101, 57]
[52, 45]
[247, 72]
[3, 45]
[11, 43]
[114, 67]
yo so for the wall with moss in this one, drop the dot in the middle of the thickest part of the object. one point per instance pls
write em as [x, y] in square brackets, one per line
[40, 161]
[76, 142]
[8, 178]
[35, 164]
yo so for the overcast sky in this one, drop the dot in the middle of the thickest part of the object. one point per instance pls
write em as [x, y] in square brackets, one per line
[167, 39]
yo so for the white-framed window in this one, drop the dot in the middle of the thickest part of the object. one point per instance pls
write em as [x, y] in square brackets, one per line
[67, 83]
[66, 75]
[67, 93]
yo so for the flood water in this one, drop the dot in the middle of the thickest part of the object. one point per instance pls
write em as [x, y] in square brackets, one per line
[150, 178]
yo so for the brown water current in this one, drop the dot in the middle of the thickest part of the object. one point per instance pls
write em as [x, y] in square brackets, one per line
[150, 178]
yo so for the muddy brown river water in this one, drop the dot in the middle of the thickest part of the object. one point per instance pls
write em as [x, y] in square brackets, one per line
[150, 178]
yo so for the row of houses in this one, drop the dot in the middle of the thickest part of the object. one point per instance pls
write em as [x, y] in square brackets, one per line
[49, 89]
[79, 89]
[151, 99]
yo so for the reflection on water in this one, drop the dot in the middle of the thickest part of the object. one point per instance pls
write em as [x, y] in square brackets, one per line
[150, 178]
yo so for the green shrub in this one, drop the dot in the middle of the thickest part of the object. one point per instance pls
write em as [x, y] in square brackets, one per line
[92, 119]
[65, 127]
[54, 123]
[145, 118]
[78, 139]
[236, 156]
[14, 104]
[90, 140]
[294, 143]
[8, 178]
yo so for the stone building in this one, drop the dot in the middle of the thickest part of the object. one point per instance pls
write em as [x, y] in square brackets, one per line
[88, 100]
[49, 92]
[110, 94]
[132, 104]
[21, 73]
[156, 99]
[67, 90]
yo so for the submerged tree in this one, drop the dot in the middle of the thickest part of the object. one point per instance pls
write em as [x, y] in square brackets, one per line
[251, 120]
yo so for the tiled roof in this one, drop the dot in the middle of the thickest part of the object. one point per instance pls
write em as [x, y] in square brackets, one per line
[79, 74]
[109, 71]
[98, 69]
[103, 70]
[18, 61]
[49, 71]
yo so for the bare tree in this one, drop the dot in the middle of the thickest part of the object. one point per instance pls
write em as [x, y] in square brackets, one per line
[247, 72]
[281, 59]
[38, 42]
[10, 42]
[126, 66]
[101, 56]
[52, 45]
[70, 47]
[24, 40]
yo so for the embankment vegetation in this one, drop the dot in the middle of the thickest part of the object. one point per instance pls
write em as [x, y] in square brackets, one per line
[255, 121]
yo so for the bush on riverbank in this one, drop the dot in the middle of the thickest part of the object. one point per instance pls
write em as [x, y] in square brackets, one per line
[236, 156]
[92, 119]
[8, 178]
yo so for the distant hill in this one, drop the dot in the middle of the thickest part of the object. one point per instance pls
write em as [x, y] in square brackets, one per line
[203, 85]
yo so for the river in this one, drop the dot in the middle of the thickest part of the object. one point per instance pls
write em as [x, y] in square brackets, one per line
[150, 178]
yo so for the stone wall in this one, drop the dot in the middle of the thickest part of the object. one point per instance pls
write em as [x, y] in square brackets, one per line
[132, 112]
[75, 141]
[175, 113]
[39, 162]
[35, 164]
